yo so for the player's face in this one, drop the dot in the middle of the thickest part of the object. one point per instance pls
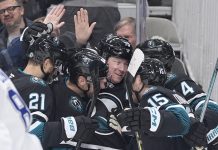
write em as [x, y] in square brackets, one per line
[102, 82]
[128, 32]
[11, 14]
[117, 68]
[136, 86]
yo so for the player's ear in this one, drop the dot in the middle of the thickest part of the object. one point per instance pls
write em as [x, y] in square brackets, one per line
[82, 82]
[47, 63]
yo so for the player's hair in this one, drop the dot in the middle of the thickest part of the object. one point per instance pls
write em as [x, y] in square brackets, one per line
[126, 21]
[19, 2]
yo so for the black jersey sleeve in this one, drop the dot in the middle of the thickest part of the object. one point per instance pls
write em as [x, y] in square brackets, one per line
[49, 133]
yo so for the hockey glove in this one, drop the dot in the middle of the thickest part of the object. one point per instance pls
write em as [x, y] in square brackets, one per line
[197, 134]
[32, 32]
[210, 118]
[212, 139]
[113, 123]
[140, 119]
[79, 128]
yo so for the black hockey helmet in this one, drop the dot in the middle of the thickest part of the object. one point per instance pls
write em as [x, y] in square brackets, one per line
[82, 62]
[45, 47]
[159, 49]
[152, 71]
[112, 45]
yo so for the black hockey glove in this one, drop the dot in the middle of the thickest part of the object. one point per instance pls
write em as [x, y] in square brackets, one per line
[210, 118]
[79, 128]
[212, 139]
[32, 32]
[197, 134]
[139, 119]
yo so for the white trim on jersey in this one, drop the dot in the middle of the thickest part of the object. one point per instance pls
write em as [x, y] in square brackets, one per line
[40, 114]
[89, 146]
[34, 125]
[175, 106]
[196, 96]
[202, 103]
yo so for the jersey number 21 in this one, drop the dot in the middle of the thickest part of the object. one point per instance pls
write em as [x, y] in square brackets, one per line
[37, 101]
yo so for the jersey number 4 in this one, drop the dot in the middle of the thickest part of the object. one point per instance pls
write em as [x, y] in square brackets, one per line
[186, 88]
[37, 101]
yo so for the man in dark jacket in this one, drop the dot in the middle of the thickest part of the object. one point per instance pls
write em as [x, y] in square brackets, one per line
[11, 16]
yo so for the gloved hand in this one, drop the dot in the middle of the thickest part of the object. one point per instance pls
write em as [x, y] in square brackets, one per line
[212, 139]
[32, 32]
[210, 118]
[135, 119]
[113, 123]
[78, 128]
[197, 134]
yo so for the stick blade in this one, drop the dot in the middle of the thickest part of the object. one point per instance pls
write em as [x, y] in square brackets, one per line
[135, 62]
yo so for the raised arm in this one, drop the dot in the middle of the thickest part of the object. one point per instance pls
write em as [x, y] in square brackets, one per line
[82, 28]
[54, 17]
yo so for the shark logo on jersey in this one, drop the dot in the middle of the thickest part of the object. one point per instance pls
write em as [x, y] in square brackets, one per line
[38, 80]
[76, 104]
[103, 127]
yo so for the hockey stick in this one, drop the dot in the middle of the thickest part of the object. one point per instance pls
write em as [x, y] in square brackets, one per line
[94, 69]
[209, 91]
[210, 88]
[135, 62]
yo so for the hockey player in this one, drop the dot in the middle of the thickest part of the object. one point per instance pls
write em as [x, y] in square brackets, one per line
[191, 91]
[158, 110]
[50, 133]
[45, 56]
[15, 119]
[117, 51]
[72, 94]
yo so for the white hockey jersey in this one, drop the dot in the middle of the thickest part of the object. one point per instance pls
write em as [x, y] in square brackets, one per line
[15, 119]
